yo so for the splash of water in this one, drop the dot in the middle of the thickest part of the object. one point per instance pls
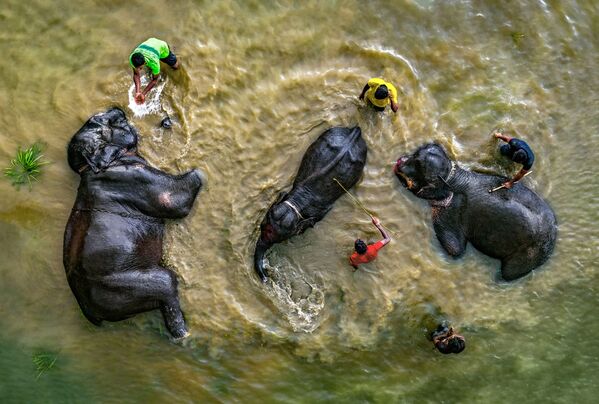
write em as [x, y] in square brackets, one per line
[297, 296]
[152, 103]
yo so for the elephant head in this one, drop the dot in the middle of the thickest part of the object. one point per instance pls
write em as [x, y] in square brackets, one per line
[426, 172]
[282, 221]
[103, 139]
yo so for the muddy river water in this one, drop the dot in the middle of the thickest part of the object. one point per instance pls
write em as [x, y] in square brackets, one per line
[259, 81]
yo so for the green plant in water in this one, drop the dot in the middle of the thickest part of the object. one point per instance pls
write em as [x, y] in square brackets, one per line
[25, 167]
[517, 37]
[43, 362]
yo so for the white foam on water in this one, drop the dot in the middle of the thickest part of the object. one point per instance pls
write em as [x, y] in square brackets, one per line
[152, 103]
[299, 298]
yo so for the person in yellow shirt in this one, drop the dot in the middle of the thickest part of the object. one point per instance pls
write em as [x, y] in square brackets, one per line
[379, 93]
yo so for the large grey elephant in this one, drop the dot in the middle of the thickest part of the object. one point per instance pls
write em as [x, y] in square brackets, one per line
[513, 225]
[339, 153]
[113, 239]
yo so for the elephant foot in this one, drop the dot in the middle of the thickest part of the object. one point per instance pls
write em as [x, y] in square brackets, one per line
[182, 337]
[91, 318]
[516, 266]
[175, 323]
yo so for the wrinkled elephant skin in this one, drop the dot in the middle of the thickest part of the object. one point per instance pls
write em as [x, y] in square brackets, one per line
[513, 225]
[339, 153]
[113, 239]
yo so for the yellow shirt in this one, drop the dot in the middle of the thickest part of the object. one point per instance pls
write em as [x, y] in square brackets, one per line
[373, 85]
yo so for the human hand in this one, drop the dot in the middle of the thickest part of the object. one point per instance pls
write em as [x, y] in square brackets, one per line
[498, 134]
[508, 184]
[375, 221]
[139, 98]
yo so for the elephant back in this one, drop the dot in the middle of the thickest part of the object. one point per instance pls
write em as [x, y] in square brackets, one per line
[338, 153]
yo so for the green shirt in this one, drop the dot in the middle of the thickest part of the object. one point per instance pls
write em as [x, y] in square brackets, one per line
[153, 50]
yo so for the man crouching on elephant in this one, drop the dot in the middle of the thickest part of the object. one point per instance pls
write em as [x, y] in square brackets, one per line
[519, 228]
[113, 239]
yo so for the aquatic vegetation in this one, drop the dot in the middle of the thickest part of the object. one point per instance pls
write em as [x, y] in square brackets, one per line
[43, 362]
[25, 168]
[517, 37]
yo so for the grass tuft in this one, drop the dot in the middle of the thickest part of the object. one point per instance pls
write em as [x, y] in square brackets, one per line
[25, 168]
[43, 362]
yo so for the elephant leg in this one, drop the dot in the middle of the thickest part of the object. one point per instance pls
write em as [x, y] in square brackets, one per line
[449, 232]
[516, 266]
[77, 287]
[453, 241]
[136, 291]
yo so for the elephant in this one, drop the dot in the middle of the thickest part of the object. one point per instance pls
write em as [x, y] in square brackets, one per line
[338, 153]
[515, 226]
[113, 239]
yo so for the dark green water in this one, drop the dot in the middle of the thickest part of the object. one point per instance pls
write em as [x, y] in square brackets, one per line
[259, 82]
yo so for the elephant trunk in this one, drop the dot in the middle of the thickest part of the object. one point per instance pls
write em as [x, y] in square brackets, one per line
[261, 249]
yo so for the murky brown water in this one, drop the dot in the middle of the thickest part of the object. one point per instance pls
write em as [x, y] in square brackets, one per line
[259, 82]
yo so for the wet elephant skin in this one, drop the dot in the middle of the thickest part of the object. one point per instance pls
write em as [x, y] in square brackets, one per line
[113, 238]
[514, 225]
[339, 153]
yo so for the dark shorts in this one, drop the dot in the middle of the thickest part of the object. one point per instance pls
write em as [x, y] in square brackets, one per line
[513, 146]
[171, 59]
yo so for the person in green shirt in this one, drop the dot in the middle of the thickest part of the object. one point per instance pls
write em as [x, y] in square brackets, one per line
[150, 53]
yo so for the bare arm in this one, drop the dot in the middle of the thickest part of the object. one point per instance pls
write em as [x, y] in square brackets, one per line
[361, 97]
[151, 84]
[394, 105]
[137, 81]
[502, 137]
[386, 237]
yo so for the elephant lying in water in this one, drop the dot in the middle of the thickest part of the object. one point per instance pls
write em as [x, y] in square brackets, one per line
[515, 226]
[338, 153]
[113, 239]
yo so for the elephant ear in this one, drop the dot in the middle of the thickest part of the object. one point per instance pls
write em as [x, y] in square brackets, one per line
[90, 150]
[305, 224]
[282, 215]
[97, 144]
[433, 166]
[102, 159]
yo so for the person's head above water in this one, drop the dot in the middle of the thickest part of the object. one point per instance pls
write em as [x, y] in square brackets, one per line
[520, 157]
[447, 341]
[452, 344]
[360, 247]
[382, 92]
[137, 59]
